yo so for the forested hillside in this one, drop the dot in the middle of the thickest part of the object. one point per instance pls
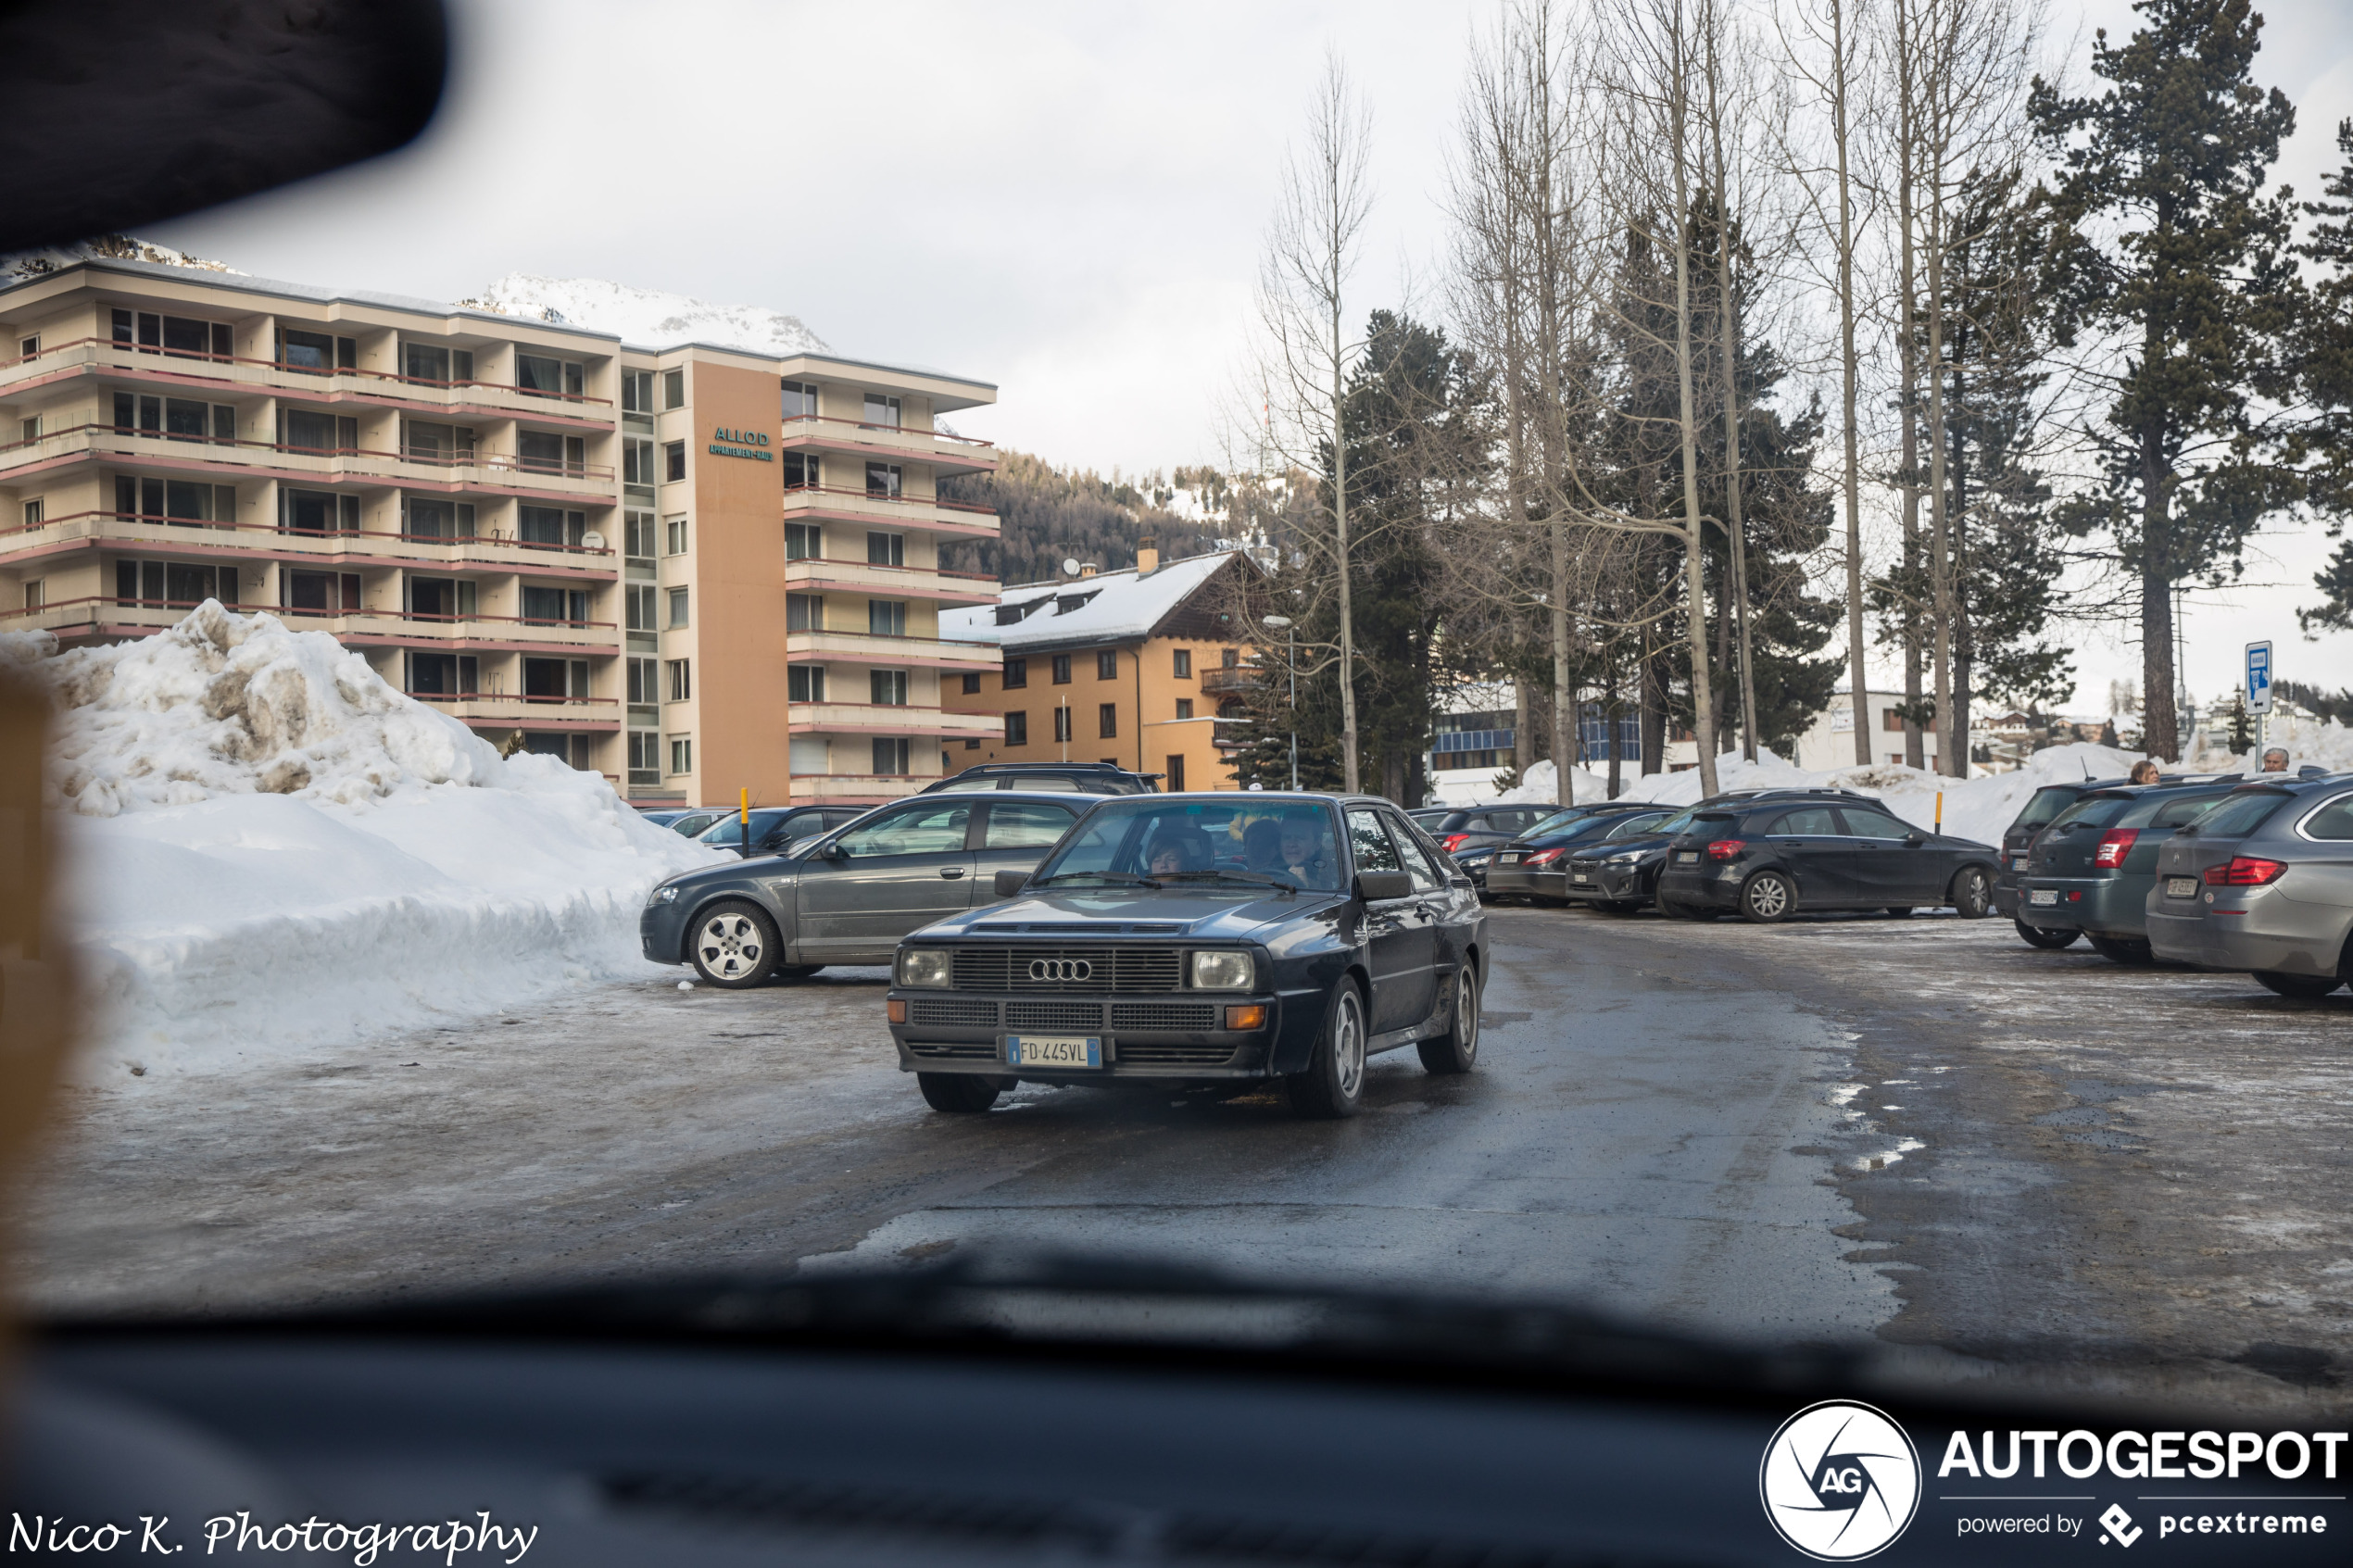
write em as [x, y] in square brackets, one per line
[1048, 515]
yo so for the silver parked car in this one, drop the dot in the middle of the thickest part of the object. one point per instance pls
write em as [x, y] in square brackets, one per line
[2263, 883]
[847, 897]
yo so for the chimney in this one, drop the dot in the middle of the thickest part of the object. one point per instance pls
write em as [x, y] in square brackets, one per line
[1147, 556]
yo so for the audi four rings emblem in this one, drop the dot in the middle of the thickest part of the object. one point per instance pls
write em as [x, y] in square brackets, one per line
[1060, 969]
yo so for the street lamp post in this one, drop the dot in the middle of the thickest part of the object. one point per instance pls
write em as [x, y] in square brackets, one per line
[1290, 663]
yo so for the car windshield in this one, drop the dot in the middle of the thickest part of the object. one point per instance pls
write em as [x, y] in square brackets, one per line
[1144, 836]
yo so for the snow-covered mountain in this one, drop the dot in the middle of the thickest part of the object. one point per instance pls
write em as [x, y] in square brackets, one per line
[647, 316]
[120, 247]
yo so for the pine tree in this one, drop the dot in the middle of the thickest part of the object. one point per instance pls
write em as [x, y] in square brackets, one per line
[2328, 380]
[2177, 252]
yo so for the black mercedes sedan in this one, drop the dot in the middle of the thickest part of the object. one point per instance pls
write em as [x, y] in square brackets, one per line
[1202, 938]
[1773, 857]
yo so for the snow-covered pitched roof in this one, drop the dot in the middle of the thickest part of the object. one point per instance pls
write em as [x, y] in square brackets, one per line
[1119, 606]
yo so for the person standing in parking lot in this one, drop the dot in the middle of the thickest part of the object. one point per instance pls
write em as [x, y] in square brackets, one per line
[2145, 771]
[2275, 759]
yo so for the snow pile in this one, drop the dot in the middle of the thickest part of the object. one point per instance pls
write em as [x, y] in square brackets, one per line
[269, 848]
[647, 316]
[117, 247]
[2322, 743]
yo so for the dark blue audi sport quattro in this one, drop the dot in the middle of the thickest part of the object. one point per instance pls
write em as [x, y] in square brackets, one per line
[1202, 938]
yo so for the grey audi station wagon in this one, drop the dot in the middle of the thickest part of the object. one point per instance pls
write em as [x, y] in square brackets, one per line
[849, 896]
[1202, 938]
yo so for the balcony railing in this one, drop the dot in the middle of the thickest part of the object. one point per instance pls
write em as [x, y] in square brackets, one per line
[898, 718]
[90, 609]
[1232, 678]
[146, 527]
[91, 349]
[222, 447]
[875, 503]
[882, 647]
[912, 582]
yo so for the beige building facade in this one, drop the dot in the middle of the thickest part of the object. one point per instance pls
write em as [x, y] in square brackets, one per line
[695, 570]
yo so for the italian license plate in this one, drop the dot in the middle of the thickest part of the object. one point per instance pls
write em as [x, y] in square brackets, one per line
[1685, 856]
[2180, 887]
[1054, 1050]
[2042, 895]
[2019, 864]
[1507, 859]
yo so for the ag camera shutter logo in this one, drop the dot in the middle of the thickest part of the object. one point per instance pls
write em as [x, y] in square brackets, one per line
[1839, 1481]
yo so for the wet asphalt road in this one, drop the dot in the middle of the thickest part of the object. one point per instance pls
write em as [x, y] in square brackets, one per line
[1920, 1130]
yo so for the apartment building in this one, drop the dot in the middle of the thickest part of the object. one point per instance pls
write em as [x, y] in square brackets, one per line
[1828, 742]
[1131, 666]
[696, 570]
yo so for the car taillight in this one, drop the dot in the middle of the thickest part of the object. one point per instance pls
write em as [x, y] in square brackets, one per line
[1544, 857]
[2115, 844]
[2245, 870]
[1726, 849]
[1453, 842]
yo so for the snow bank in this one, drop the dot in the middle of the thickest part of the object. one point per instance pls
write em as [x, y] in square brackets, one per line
[271, 849]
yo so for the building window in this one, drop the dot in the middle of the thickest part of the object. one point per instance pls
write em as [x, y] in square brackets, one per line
[887, 618]
[422, 517]
[803, 541]
[885, 549]
[674, 536]
[1182, 666]
[800, 471]
[1016, 729]
[1232, 659]
[296, 350]
[177, 583]
[636, 460]
[681, 755]
[34, 512]
[638, 611]
[889, 687]
[643, 687]
[1107, 721]
[890, 755]
[29, 348]
[673, 389]
[551, 526]
[644, 756]
[677, 609]
[971, 745]
[1016, 673]
[972, 686]
[1891, 719]
[549, 377]
[805, 683]
[29, 431]
[801, 400]
[673, 462]
[1183, 708]
[1107, 664]
[31, 586]
[300, 511]
[682, 680]
[636, 392]
[637, 535]
[885, 479]
[179, 500]
[555, 607]
[882, 410]
[804, 612]
[1062, 669]
[1062, 723]
[1176, 777]
[539, 452]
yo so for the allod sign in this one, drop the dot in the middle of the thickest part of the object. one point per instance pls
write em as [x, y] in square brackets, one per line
[726, 443]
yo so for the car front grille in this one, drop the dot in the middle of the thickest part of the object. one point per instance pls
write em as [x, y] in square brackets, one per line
[1175, 1056]
[1163, 1015]
[1095, 969]
[955, 1010]
[1054, 1015]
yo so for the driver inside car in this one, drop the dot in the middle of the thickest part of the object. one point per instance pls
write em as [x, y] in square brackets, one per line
[1306, 851]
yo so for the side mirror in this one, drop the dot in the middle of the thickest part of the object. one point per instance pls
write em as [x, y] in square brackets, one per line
[833, 851]
[1009, 883]
[1375, 886]
[1916, 838]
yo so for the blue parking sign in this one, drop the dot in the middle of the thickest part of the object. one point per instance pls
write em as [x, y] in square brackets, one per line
[2258, 677]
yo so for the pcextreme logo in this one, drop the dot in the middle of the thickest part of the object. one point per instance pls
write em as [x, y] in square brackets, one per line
[1839, 1481]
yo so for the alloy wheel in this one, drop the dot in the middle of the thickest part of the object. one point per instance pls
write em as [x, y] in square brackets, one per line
[730, 947]
[1348, 1045]
[1466, 1013]
[1768, 897]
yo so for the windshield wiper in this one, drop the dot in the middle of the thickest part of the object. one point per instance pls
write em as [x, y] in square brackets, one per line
[1105, 876]
[1259, 877]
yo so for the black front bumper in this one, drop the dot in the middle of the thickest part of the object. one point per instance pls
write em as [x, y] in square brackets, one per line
[1176, 1036]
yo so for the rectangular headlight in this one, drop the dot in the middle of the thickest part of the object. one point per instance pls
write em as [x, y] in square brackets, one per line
[1221, 972]
[923, 967]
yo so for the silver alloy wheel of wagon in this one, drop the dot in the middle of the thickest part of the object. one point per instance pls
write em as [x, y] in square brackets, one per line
[734, 944]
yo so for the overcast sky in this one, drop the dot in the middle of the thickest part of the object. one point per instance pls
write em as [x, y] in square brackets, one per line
[1063, 199]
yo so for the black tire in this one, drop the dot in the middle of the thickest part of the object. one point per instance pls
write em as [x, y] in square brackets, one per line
[1620, 906]
[2300, 987]
[1900, 911]
[734, 945]
[2132, 951]
[1768, 898]
[959, 1094]
[1333, 1085]
[2050, 937]
[1457, 1049]
[1972, 893]
[793, 973]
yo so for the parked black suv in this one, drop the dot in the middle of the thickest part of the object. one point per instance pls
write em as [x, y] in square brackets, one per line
[1082, 778]
[1772, 858]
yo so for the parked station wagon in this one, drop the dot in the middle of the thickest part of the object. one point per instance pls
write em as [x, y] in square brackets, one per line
[1202, 938]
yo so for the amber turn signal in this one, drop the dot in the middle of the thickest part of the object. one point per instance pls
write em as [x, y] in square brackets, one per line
[1251, 1015]
[897, 1010]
